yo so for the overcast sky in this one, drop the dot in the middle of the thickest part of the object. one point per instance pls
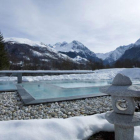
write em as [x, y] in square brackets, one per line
[101, 25]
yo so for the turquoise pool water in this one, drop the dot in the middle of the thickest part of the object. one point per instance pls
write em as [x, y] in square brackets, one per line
[7, 86]
[58, 89]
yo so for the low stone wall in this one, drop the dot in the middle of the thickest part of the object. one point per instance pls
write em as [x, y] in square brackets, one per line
[12, 108]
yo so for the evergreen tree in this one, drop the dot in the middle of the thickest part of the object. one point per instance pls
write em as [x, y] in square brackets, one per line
[118, 64]
[4, 63]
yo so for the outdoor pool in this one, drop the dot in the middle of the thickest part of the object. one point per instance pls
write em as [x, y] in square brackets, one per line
[48, 91]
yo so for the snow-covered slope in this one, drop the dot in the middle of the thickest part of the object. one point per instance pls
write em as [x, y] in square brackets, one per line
[64, 47]
[74, 46]
[112, 56]
[103, 55]
[50, 45]
[137, 42]
[80, 59]
[75, 49]
[24, 41]
[20, 48]
[14, 40]
[133, 53]
[116, 54]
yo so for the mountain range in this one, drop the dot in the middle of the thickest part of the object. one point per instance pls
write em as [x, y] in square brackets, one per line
[122, 52]
[76, 49]
[25, 49]
[20, 49]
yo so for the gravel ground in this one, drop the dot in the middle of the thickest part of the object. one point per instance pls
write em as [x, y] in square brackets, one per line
[12, 108]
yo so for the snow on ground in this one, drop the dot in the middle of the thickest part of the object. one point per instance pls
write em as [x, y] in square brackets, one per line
[75, 128]
[104, 74]
[133, 73]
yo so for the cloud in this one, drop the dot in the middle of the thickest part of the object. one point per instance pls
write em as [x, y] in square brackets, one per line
[100, 25]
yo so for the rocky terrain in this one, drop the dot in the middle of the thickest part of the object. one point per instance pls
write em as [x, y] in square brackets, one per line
[12, 108]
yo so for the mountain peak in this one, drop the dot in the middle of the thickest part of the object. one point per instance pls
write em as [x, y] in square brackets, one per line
[76, 42]
[137, 42]
[64, 43]
[77, 50]
[58, 43]
[74, 46]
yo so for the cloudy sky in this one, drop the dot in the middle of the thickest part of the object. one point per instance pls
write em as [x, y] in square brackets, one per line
[101, 25]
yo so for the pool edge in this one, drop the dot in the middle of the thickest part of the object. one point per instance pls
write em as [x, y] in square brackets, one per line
[24, 95]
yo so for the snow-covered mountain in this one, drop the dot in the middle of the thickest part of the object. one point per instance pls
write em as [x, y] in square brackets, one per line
[137, 43]
[113, 56]
[14, 40]
[75, 49]
[21, 50]
[74, 46]
[132, 53]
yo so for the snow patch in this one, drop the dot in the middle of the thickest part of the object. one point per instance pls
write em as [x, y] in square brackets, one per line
[75, 128]
[80, 59]
[27, 58]
[44, 60]
[24, 41]
[36, 53]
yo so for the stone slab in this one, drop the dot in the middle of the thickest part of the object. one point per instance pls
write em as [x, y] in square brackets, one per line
[128, 91]
[124, 120]
[24, 95]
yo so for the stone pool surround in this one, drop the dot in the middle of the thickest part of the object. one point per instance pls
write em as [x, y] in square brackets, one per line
[12, 108]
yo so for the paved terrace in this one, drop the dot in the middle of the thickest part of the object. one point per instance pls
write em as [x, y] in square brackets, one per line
[19, 73]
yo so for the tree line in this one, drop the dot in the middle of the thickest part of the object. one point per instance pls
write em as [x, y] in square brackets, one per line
[4, 62]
